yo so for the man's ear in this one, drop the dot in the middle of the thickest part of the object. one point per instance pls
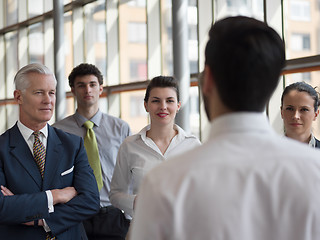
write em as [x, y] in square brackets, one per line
[18, 96]
[208, 83]
[72, 90]
[100, 89]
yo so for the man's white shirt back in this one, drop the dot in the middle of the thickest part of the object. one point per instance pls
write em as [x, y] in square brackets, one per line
[245, 182]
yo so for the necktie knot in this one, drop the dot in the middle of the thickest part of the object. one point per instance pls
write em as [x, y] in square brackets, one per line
[88, 124]
[36, 134]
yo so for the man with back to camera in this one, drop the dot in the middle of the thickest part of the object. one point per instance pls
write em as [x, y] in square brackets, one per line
[245, 182]
[47, 185]
[86, 82]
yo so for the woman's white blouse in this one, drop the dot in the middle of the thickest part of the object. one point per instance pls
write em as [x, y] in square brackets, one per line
[137, 155]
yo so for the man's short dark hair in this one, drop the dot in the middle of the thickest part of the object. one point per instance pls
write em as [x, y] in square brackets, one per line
[246, 57]
[85, 69]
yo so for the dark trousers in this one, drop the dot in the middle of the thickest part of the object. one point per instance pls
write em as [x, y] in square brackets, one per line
[109, 224]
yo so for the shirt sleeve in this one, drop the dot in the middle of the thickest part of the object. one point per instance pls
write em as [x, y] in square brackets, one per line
[45, 226]
[119, 189]
[50, 201]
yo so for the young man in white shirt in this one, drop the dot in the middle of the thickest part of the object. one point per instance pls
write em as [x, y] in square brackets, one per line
[245, 182]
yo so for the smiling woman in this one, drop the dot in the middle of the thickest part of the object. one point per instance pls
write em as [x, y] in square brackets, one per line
[153, 145]
[299, 108]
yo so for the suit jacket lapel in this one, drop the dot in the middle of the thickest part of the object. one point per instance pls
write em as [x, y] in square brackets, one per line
[53, 156]
[21, 152]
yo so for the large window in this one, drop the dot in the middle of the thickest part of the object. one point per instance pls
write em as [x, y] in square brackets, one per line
[131, 41]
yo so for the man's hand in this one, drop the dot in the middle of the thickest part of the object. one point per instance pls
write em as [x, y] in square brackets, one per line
[63, 195]
[5, 191]
[40, 223]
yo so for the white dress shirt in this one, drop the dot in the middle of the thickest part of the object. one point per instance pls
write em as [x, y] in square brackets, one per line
[246, 182]
[137, 155]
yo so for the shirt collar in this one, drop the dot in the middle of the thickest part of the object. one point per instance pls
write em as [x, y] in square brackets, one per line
[240, 122]
[27, 132]
[80, 120]
[312, 142]
[181, 134]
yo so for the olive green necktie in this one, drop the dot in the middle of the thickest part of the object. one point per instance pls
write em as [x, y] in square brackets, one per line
[90, 143]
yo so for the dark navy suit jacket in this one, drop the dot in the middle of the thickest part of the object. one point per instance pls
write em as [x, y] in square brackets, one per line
[66, 165]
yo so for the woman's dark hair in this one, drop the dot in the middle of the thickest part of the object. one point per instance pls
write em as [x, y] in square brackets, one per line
[162, 82]
[302, 87]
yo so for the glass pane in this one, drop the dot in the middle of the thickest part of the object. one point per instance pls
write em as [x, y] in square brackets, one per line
[133, 111]
[68, 47]
[95, 35]
[250, 8]
[12, 12]
[12, 114]
[36, 43]
[133, 41]
[35, 7]
[193, 36]
[194, 111]
[11, 43]
[70, 106]
[3, 121]
[137, 3]
[166, 37]
[301, 26]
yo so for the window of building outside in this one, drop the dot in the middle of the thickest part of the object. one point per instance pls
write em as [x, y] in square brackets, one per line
[137, 32]
[300, 42]
[138, 70]
[301, 28]
[300, 10]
